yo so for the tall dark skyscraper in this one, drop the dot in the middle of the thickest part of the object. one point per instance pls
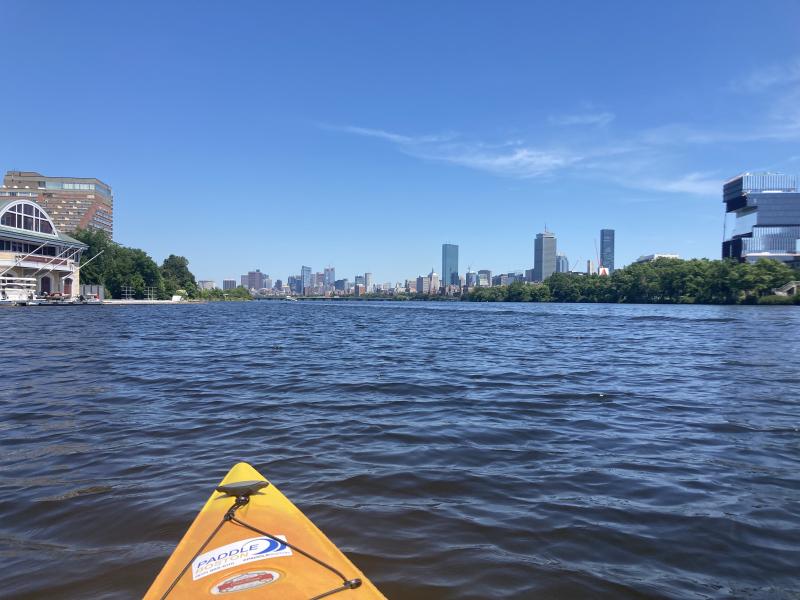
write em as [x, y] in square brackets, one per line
[305, 277]
[762, 218]
[544, 256]
[450, 264]
[607, 249]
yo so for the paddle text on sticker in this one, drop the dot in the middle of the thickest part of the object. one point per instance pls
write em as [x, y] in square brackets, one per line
[238, 553]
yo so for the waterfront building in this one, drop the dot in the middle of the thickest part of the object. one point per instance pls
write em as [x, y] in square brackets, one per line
[544, 255]
[278, 285]
[295, 283]
[305, 278]
[428, 284]
[607, 249]
[34, 253]
[71, 202]
[449, 264]
[501, 279]
[645, 258]
[206, 284]
[341, 285]
[472, 279]
[329, 278]
[268, 282]
[254, 280]
[368, 285]
[228, 284]
[562, 264]
[484, 278]
[762, 218]
[435, 283]
[359, 280]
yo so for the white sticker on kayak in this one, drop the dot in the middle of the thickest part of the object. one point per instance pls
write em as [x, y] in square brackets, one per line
[245, 581]
[238, 553]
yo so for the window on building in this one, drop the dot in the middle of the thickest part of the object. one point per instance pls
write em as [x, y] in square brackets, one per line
[27, 216]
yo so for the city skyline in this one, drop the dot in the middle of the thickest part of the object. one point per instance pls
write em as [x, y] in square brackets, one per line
[572, 127]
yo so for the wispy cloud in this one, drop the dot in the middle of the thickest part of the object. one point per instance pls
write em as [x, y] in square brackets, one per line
[597, 119]
[519, 162]
[696, 184]
[506, 157]
[389, 136]
[628, 164]
[769, 77]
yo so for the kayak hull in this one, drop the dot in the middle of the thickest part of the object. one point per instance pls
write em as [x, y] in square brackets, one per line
[233, 558]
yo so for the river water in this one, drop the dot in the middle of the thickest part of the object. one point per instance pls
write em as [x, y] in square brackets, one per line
[452, 450]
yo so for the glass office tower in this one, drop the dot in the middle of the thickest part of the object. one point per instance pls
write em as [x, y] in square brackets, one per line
[450, 264]
[562, 264]
[305, 278]
[762, 218]
[607, 249]
[544, 256]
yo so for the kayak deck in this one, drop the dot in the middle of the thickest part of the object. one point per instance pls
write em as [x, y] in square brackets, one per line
[250, 541]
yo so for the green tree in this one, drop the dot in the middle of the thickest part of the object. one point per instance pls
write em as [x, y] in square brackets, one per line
[118, 266]
[176, 275]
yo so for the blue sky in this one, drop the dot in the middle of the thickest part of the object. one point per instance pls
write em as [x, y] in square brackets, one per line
[364, 134]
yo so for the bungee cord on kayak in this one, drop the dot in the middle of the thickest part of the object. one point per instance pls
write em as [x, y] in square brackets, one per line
[242, 491]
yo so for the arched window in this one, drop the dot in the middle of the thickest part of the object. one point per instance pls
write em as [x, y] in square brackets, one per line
[26, 215]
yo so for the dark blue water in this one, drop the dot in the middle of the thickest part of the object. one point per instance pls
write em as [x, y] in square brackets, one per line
[452, 450]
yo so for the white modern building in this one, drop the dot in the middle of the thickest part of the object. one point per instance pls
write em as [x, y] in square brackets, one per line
[35, 258]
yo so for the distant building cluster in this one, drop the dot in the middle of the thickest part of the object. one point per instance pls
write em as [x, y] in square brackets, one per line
[762, 220]
[449, 283]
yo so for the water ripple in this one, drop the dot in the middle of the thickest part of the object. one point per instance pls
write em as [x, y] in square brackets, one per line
[452, 450]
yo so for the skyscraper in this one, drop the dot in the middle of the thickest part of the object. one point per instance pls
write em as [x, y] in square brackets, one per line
[762, 218]
[450, 264]
[368, 285]
[330, 276]
[254, 280]
[562, 263]
[607, 249]
[305, 278]
[72, 202]
[295, 283]
[544, 256]
[484, 278]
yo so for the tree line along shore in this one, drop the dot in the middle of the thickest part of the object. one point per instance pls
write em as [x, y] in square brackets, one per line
[662, 281]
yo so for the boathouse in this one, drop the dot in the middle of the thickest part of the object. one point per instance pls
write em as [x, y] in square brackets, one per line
[33, 251]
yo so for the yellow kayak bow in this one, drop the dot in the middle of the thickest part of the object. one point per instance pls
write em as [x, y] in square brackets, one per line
[250, 541]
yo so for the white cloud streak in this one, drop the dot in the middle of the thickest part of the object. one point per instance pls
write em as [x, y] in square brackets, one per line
[626, 164]
[519, 162]
[389, 136]
[767, 78]
[638, 161]
[597, 119]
